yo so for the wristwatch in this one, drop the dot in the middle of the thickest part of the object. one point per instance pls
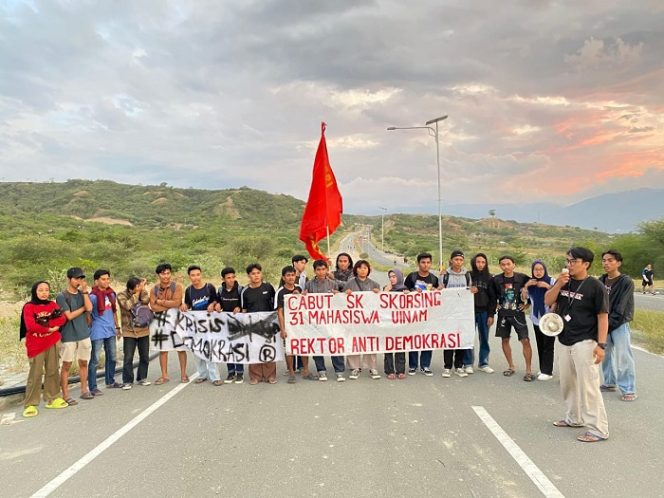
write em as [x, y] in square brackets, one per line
[601, 345]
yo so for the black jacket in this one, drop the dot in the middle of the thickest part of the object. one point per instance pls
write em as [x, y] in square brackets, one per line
[485, 297]
[621, 301]
[229, 299]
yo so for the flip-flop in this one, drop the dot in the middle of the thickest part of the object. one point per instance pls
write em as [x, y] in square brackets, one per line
[629, 397]
[608, 389]
[528, 377]
[509, 372]
[589, 437]
[71, 401]
[161, 380]
[217, 382]
[57, 403]
[200, 380]
[184, 379]
[564, 423]
[30, 411]
[309, 376]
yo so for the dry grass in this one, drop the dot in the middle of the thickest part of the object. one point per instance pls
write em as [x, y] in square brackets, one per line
[648, 331]
[12, 351]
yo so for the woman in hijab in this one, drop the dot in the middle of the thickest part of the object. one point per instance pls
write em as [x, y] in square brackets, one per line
[395, 363]
[535, 289]
[41, 320]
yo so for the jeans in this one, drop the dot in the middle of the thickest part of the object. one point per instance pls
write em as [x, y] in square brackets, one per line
[618, 365]
[207, 369]
[130, 344]
[424, 357]
[237, 368]
[483, 331]
[109, 366]
[338, 362]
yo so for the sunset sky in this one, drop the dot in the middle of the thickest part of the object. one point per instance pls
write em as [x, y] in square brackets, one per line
[547, 100]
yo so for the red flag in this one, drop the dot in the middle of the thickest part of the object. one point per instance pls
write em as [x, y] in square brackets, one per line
[322, 214]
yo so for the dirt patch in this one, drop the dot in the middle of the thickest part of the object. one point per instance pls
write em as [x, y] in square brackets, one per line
[111, 221]
[160, 201]
[227, 208]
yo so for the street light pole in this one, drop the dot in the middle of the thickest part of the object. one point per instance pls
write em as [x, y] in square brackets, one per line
[382, 228]
[434, 132]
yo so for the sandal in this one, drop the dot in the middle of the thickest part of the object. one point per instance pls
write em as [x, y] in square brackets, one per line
[272, 381]
[629, 397]
[589, 437]
[185, 379]
[509, 372]
[216, 382]
[309, 376]
[57, 403]
[71, 401]
[87, 395]
[161, 380]
[200, 380]
[528, 377]
[30, 411]
[401, 376]
[565, 423]
[608, 389]
[391, 376]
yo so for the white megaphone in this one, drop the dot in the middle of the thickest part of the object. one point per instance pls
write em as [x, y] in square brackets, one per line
[551, 324]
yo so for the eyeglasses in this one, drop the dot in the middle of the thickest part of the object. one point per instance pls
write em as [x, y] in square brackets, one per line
[572, 261]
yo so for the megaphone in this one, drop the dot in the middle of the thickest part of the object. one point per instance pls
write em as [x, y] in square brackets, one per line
[551, 324]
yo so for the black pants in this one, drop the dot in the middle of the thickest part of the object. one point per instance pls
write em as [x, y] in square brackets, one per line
[129, 345]
[453, 356]
[395, 363]
[545, 346]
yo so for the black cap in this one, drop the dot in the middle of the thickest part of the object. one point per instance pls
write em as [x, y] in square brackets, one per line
[75, 272]
[457, 252]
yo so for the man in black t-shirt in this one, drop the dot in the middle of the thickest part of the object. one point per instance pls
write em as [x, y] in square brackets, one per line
[288, 275]
[228, 300]
[583, 303]
[256, 297]
[421, 280]
[509, 288]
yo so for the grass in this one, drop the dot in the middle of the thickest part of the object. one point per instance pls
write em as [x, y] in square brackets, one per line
[647, 330]
[12, 351]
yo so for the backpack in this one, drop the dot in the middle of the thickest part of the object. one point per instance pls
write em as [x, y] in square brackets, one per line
[141, 315]
[446, 279]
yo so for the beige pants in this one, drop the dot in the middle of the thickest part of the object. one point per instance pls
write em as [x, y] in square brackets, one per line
[263, 371]
[368, 361]
[46, 364]
[579, 385]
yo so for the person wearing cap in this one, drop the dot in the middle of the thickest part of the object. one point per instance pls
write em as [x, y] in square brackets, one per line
[228, 300]
[75, 303]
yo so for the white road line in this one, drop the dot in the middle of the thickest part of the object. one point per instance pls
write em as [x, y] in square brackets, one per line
[104, 445]
[532, 471]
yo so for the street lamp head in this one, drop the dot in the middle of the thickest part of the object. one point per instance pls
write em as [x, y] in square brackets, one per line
[435, 120]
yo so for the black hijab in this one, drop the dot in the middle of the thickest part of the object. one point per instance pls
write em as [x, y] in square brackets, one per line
[34, 300]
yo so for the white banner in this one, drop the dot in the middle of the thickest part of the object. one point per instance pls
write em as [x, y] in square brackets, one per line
[386, 322]
[219, 337]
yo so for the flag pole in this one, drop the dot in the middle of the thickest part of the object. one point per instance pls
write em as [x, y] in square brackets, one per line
[327, 229]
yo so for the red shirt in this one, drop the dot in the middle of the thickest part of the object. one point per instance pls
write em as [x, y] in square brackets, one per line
[38, 338]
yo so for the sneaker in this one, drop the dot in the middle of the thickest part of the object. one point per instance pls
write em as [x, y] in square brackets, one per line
[239, 378]
[486, 369]
[340, 377]
[354, 374]
[543, 376]
[446, 373]
[144, 382]
[126, 387]
[469, 370]
[230, 378]
[322, 376]
[291, 379]
[461, 372]
[427, 372]
[96, 392]
[115, 385]
[373, 373]
[412, 371]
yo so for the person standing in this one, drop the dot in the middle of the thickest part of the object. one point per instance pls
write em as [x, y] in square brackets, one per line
[618, 366]
[343, 267]
[511, 314]
[534, 290]
[299, 262]
[583, 304]
[201, 296]
[421, 280]
[165, 295]
[256, 297]
[647, 277]
[135, 332]
[228, 301]
[104, 331]
[485, 305]
[75, 303]
[41, 320]
[288, 277]
[394, 364]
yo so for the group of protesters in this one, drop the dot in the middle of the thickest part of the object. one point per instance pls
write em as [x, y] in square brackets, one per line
[84, 320]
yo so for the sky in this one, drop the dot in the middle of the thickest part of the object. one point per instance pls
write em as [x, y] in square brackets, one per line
[548, 101]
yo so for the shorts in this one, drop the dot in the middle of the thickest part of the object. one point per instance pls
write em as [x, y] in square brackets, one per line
[505, 324]
[77, 349]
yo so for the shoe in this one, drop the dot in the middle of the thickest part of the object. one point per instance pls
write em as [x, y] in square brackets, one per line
[354, 374]
[239, 378]
[543, 376]
[30, 411]
[115, 385]
[322, 376]
[608, 389]
[86, 395]
[57, 403]
[373, 373]
[144, 382]
[96, 392]
[461, 372]
[200, 380]
[291, 379]
[469, 370]
[230, 378]
[427, 372]
[126, 387]
[218, 383]
[412, 371]
[340, 377]
[391, 376]
[446, 373]
[486, 369]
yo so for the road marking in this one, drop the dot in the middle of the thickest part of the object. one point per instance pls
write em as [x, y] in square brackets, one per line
[532, 471]
[108, 442]
[639, 348]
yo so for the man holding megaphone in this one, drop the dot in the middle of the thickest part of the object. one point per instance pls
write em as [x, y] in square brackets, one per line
[583, 303]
